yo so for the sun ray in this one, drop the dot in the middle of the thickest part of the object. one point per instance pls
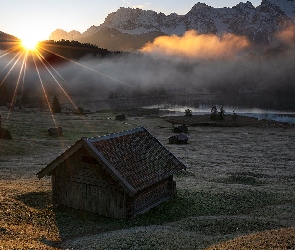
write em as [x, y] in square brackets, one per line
[16, 86]
[69, 98]
[10, 61]
[24, 73]
[65, 93]
[2, 82]
[44, 90]
[46, 97]
[39, 60]
[7, 53]
[91, 69]
[53, 68]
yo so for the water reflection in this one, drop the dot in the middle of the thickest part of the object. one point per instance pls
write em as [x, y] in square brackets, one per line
[280, 116]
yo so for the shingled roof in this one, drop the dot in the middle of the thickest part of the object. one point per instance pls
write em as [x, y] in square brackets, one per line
[134, 157]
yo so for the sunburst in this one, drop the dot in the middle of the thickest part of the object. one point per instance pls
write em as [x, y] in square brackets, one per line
[30, 44]
[35, 54]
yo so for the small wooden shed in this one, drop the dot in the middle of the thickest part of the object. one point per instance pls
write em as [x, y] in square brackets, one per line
[120, 117]
[119, 175]
[178, 139]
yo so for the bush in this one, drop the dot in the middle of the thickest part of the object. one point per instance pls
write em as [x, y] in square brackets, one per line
[5, 134]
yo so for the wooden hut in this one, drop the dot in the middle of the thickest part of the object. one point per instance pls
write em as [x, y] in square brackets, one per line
[120, 117]
[178, 139]
[119, 175]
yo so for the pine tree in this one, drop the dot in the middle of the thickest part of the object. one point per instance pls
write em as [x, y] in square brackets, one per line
[55, 105]
[214, 113]
[5, 96]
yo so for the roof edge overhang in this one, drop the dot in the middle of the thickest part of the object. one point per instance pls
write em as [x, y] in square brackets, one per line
[51, 166]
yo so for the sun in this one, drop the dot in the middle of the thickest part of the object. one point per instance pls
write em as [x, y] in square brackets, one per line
[30, 43]
[31, 34]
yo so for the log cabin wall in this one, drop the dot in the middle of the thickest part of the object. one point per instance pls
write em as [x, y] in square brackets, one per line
[154, 195]
[81, 183]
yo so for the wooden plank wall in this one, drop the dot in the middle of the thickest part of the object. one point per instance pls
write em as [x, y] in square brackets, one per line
[88, 187]
[152, 195]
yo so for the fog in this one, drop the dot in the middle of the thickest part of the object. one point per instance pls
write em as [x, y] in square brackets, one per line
[189, 64]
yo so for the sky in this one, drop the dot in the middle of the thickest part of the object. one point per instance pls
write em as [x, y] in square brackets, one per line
[36, 19]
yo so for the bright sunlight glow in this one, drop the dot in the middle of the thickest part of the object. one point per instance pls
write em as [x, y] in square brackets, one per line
[29, 44]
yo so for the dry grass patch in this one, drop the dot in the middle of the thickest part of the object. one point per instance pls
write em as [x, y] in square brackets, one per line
[239, 181]
[26, 220]
[280, 239]
[144, 238]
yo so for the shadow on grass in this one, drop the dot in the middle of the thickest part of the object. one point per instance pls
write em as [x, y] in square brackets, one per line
[192, 204]
[70, 223]
[74, 223]
[186, 204]
[38, 200]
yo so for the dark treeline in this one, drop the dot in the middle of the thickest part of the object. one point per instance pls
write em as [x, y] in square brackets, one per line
[76, 50]
[7, 41]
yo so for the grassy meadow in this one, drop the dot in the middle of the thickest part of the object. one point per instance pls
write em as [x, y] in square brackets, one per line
[238, 190]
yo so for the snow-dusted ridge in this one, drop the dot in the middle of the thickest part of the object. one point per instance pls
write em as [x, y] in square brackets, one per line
[257, 23]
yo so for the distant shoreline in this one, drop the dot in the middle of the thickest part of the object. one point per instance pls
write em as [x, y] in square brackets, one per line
[228, 121]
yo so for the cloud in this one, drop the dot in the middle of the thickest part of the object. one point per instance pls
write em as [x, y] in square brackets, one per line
[140, 6]
[126, 2]
[134, 6]
[287, 35]
[197, 46]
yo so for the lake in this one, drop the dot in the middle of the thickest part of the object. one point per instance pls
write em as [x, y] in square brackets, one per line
[280, 116]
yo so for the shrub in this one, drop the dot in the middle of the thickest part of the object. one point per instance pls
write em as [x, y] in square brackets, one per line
[5, 134]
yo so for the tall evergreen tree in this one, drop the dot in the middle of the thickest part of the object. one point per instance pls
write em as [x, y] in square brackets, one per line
[5, 96]
[55, 105]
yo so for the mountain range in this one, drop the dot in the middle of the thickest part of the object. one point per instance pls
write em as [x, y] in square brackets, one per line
[129, 29]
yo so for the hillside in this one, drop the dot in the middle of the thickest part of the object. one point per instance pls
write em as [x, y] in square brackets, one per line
[7, 41]
[4, 37]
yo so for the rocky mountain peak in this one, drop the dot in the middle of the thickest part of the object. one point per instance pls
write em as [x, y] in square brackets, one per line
[200, 5]
[248, 5]
[257, 23]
